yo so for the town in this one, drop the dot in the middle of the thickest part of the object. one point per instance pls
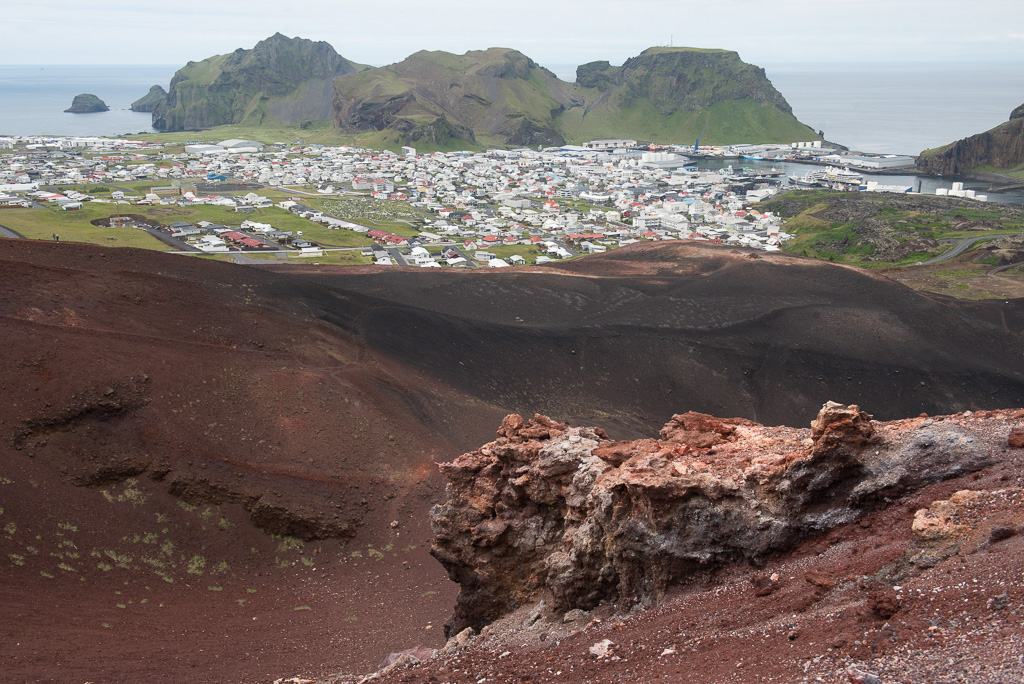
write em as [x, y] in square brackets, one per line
[346, 204]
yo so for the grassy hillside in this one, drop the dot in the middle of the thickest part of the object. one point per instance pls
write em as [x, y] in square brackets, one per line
[668, 94]
[882, 229]
[740, 121]
[500, 96]
[437, 100]
[496, 95]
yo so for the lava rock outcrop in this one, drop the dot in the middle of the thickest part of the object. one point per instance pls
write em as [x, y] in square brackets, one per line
[562, 514]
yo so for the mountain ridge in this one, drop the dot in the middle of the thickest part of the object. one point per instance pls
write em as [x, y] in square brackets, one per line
[495, 96]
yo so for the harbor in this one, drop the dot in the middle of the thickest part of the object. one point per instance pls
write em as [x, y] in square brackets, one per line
[928, 185]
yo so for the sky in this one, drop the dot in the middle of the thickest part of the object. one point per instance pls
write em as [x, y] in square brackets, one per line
[552, 32]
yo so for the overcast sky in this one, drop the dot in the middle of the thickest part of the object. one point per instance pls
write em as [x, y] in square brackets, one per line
[550, 31]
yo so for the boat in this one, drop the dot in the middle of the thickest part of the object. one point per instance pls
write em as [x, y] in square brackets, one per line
[809, 180]
[829, 177]
[834, 175]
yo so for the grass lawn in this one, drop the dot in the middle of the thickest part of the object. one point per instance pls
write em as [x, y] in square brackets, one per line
[528, 252]
[212, 257]
[343, 258]
[74, 226]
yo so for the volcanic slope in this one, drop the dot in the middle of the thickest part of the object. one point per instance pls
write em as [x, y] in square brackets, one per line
[164, 413]
[617, 338]
[199, 476]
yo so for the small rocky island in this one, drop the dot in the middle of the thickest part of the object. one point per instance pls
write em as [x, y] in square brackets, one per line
[155, 96]
[87, 103]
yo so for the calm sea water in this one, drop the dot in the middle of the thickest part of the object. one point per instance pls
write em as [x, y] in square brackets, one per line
[33, 98]
[900, 108]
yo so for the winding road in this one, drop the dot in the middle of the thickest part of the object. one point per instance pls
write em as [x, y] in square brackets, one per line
[960, 248]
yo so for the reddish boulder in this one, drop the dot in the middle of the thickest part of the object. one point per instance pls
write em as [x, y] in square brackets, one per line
[700, 430]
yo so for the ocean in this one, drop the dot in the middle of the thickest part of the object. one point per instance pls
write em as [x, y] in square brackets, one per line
[900, 108]
[33, 98]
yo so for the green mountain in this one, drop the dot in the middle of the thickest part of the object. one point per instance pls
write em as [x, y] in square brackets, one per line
[500, 96]
[281, 80]
[676, 94]
[495, 96]
[150, 100]
[998, 150]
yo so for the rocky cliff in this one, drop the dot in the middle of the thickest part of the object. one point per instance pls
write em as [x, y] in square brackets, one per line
[1002, 147]
[287, 80]
[562, 514]
[149, 101]
[87, 103]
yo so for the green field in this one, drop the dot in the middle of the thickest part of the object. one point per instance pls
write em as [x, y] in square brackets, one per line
[528, 252]
[75, 226]
[730, 122]
[343, 258]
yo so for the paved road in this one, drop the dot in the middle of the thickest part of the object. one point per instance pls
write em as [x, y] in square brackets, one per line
[960, 248]
[397, 256]
[8, 233]
[467, 257]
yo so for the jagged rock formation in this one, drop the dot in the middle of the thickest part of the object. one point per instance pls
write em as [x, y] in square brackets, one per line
[87, 103]
[281, 79]
[562, 514]
[150, 100]
[1002, 147]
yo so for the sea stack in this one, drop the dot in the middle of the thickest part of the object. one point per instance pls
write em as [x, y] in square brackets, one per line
[155, 96]
[86, 103]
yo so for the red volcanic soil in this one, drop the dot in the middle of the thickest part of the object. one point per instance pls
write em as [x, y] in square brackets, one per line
[927, 589]
[221, 473]
[161, 409]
